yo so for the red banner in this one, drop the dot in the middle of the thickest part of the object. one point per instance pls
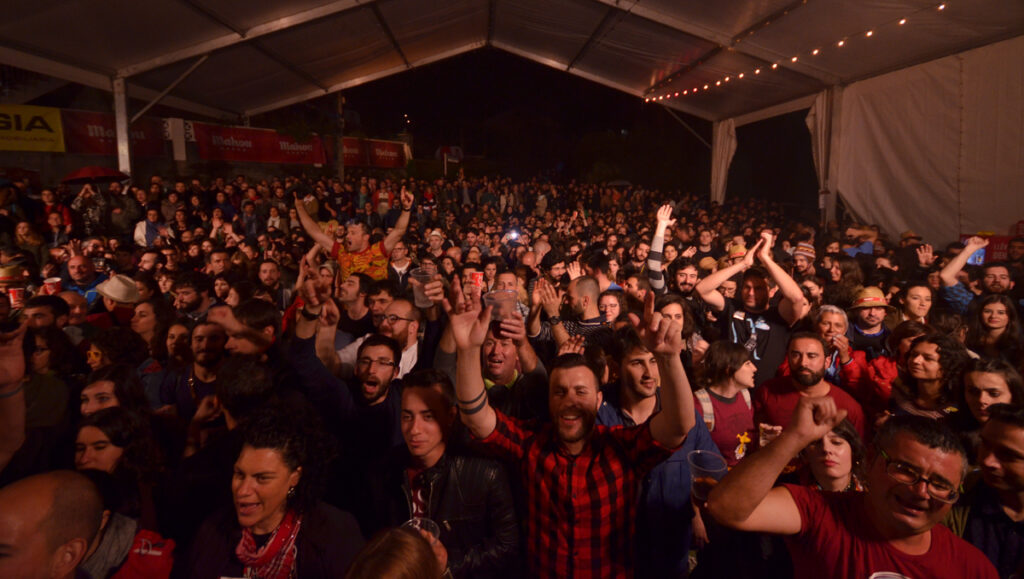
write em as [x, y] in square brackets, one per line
[355, 152]
[386, 154]
[92, 133]
[218, 143]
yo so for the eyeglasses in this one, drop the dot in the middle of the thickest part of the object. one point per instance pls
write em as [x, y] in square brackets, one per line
[392, 318]
[370, 361]
[905, 474]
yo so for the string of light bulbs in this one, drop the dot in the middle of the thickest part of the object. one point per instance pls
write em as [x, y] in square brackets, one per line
[838, 44]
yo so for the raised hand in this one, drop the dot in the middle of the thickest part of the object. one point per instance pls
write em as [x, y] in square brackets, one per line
[665, 216]
[330, 315]
[574, 345]
[469, 328]
[976, 243]
[514, 328]
[549, 298]
[660, 335]
[925, 255]
[690, 251]
[765, 251]
[814, 418]
[748, 257]
[574, 269]
[407, 199]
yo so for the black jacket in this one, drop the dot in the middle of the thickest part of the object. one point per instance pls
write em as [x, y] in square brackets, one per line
[469, 498]
[327, 545]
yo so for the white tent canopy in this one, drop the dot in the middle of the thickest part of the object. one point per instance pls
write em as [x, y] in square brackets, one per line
[231, 59]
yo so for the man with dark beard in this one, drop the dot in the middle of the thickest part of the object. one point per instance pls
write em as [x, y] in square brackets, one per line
[184, 389]
[576, 313]
[581, 479]
[192, 291]
[776, 399]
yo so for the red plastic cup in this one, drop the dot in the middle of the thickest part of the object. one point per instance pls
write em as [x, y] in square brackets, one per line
[52, 286]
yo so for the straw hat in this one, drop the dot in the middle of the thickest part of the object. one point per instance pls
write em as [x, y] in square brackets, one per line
[120, 289]
[870, 297]
[11, 273]
[737, 251]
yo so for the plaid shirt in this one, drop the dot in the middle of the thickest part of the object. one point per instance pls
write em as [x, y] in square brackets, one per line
[581, 509]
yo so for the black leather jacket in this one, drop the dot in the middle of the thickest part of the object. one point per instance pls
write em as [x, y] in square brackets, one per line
[469, 498]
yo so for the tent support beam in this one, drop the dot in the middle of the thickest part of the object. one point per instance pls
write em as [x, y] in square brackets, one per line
[490, 21]
[687, 127]
[387, 32]
[170, 87]
[598, 30]
[269, 106]
[124, 157]
[289, 67]
[232, 39]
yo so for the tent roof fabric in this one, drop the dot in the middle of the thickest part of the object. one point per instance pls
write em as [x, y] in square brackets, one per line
[266, 54]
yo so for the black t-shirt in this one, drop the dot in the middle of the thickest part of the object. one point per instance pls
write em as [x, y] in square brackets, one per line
[767, 334]
[356, 328]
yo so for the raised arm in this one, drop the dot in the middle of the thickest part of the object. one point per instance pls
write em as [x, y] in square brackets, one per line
[745, 499]
[655, 256]
[469, 329]
[948, 273]
[312, 229]
[402, 225]
[514, 328]
[708, 287]
[664, 339]
[793, 305]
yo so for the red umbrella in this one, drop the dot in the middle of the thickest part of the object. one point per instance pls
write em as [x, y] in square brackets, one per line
[94, 175]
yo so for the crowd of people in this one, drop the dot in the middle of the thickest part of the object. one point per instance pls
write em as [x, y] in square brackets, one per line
[390, 377]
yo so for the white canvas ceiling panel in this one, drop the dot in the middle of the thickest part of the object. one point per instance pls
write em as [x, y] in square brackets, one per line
[639, 52]
[340, 46]
[725, 18]
[228, 79]
[424, 29]
[551, 30]
[103, 35]
[246, 14]
[925, 34]
[737, 95]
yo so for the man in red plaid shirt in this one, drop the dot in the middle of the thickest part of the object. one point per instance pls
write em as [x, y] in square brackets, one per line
[581, 480]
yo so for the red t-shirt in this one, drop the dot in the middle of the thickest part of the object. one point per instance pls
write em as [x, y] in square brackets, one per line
[837, 541]
[776, 399]
[734, 433]
[373, 261]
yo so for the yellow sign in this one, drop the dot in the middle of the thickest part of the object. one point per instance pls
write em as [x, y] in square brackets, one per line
[25, 128]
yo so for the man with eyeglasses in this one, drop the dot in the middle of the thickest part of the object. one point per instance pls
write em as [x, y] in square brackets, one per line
[913, 478]
[401, 322]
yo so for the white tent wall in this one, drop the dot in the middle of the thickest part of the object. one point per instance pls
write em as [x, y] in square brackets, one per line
[937, 147]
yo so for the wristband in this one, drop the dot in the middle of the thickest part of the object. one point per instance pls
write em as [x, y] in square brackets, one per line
[309, 315]
[555, 320]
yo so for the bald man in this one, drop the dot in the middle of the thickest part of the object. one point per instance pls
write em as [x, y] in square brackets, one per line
[47, 523]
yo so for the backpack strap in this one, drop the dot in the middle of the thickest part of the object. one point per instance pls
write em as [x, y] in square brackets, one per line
[706, 409]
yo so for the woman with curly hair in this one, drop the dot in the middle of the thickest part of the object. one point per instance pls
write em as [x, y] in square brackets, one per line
[277, 526]
[935, 366]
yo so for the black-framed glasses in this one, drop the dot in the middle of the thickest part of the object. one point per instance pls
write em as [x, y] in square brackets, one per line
[392, 318]
[379, 362]
[903, 473]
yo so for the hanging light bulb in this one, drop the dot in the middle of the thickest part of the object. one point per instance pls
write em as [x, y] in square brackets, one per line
[841, 43]
[869, 33]
[815, 52]
[903, 21]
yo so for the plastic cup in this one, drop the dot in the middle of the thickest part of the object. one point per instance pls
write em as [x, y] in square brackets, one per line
[503, 302]
[426, 525]
[17, 296]
[52, 286]
[417, 279]
[706, 469]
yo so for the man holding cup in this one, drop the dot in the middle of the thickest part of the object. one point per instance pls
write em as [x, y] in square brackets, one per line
[581, 478]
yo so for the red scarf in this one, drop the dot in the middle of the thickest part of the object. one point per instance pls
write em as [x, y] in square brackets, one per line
[276, 559]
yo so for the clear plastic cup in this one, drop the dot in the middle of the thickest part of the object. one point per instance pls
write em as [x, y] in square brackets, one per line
[417, 279]
[706, 469]
[503, 302]
[426, 525]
